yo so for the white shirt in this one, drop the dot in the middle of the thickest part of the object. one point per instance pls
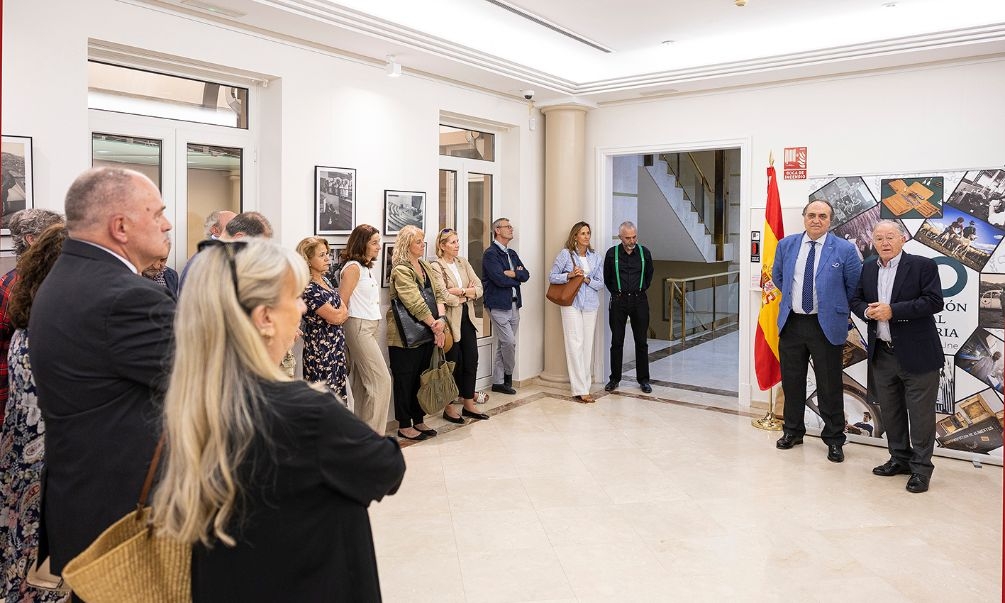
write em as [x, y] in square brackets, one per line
[584, 263]
[797, 277]
[884, 291]
[365, 300]
[452, 266]
[121, 259]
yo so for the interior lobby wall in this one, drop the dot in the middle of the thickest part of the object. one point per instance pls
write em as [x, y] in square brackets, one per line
[909, 120]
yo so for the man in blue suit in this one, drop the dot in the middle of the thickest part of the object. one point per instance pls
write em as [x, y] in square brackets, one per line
[817, 274]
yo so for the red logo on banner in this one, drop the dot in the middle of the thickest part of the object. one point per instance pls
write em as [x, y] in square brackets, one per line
[795, 163]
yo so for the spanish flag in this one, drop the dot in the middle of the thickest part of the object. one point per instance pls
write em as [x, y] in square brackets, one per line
[766, 363]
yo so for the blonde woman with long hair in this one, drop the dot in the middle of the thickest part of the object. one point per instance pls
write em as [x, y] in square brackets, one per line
[268, 478]
[410, 273]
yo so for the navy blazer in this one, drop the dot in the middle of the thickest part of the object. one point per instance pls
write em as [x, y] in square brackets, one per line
[497, 286]
[837, 275]
[100, 341]
[915, 300]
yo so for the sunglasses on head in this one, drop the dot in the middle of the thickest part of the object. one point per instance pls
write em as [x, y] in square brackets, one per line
[231, 248]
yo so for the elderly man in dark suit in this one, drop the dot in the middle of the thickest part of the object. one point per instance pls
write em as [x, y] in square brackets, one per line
[899, 296]
[817, 274]
[100, 341]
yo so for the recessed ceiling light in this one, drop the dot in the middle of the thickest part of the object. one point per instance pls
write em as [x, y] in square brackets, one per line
[889, 5]
[668, 42]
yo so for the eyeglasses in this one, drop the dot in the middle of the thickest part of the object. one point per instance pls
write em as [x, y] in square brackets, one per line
[510, 226]
[447, 231]
[231, 248]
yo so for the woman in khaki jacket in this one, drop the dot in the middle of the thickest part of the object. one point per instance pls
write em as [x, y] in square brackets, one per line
[409, 275]
[462, 286]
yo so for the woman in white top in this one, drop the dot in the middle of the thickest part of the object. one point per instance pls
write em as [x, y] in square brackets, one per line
[579, 320]
[463, 287]
[369, 378]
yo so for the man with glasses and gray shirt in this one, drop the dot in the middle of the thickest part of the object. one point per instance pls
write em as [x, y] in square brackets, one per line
[502, 274]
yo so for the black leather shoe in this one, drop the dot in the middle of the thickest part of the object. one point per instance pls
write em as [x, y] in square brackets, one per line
[611, 385]
[475, 415]
[458, 420]
[426, 432]
[417, 438]
[835, 454]
[917, 484]
[502, 388]
[891, 468]
[646, 388]
[788, 441]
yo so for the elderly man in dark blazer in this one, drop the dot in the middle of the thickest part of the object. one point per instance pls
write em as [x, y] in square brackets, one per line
[100, 341]
[502, 274]
[899, 296]
[817, 274]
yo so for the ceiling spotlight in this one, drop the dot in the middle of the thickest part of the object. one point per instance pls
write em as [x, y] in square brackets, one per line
[741, 2]
[393, 68]
[668, 42]
[889, 5]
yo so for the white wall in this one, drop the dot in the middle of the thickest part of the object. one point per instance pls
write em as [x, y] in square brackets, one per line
[322, 110]
[911, 120]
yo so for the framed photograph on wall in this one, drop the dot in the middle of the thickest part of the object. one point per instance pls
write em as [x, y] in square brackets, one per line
[403, 208]
[16, 192]
[334, 200]
[336, 262]
[385, 273]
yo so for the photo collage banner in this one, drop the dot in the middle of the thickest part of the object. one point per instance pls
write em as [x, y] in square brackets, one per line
[958, 220]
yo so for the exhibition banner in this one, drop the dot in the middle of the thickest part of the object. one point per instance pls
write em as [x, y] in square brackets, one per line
[958, 220]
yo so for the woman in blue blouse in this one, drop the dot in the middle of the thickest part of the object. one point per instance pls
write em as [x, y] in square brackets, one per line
[579, 320]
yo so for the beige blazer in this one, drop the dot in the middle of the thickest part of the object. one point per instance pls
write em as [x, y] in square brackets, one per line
[445, 279]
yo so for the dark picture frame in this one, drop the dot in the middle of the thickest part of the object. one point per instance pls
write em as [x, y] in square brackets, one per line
[403, 208]
[334, 251]
[334, 200]
[16, 171]
[385, 273]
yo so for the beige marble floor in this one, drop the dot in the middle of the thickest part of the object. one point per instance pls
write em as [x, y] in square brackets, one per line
[633, 499]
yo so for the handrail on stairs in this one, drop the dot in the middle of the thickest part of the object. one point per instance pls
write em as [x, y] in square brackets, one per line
[701, 216]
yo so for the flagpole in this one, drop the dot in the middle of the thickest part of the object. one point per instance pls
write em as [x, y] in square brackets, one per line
[768, 422]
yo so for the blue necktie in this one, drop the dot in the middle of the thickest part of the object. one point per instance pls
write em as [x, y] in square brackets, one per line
[808, 278]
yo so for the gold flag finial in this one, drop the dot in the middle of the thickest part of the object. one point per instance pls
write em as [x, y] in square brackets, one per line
[771, 158]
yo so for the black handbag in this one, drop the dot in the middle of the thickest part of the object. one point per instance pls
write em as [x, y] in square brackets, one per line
[414, 332]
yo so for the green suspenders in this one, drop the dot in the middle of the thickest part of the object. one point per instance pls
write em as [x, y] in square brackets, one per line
[617, 266]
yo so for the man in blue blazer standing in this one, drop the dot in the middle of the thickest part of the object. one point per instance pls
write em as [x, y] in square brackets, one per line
[502, 274]
[899, 296]
[817, 274]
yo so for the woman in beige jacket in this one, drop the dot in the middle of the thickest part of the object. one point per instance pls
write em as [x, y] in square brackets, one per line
[462, 286]
[410, 273]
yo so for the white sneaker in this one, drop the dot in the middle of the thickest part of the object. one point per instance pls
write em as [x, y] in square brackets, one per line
[481, 398]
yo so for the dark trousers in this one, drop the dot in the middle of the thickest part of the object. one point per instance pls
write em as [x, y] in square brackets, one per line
[907, 404]
[465, 354]
[800, 340]
[633, 305]
[407, 365]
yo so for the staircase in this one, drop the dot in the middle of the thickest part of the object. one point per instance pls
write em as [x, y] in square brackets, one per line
[660, 186]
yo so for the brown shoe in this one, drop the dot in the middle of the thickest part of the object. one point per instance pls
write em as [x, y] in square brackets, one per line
[585, 399]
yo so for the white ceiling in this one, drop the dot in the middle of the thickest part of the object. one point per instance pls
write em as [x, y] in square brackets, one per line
[715, 43]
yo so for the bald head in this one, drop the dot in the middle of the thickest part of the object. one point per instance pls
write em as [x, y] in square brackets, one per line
[120, 210]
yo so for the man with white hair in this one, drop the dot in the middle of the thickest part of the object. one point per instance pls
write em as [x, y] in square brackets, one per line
[101, 337]
[628, 273]
[216, 222]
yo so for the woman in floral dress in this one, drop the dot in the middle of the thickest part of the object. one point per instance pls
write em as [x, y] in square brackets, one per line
[22, 446]
[324, 342]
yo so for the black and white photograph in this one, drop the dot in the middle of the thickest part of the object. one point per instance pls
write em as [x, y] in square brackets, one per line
[962, 236]
[849, 196]
[385, 280]
[403, 208]
[335, 266]
[854, 347]
[16, 174]
[990, 302]
[858, 230]
[982, 194]
[334, 200]
[981, 356]
[945, 400]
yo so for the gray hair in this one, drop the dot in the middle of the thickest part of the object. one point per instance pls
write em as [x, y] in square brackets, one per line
[96, 193]
[212, 220]
[900, 227]
[497, 222]
[626, 225]
[31, 223]
[251, 224]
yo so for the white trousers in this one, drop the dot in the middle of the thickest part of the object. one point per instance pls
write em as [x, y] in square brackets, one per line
[578, 327]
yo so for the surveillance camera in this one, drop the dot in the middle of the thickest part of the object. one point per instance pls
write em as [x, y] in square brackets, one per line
[528, 94]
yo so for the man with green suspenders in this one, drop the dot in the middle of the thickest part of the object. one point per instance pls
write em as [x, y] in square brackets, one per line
[627, 275]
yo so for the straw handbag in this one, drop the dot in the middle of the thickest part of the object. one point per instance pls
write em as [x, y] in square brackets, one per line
[438, 387]
[129, 562]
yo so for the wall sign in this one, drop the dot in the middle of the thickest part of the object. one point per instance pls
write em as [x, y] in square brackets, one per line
[795, 163]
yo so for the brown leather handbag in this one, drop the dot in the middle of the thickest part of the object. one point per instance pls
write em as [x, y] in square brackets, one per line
[563, 294]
